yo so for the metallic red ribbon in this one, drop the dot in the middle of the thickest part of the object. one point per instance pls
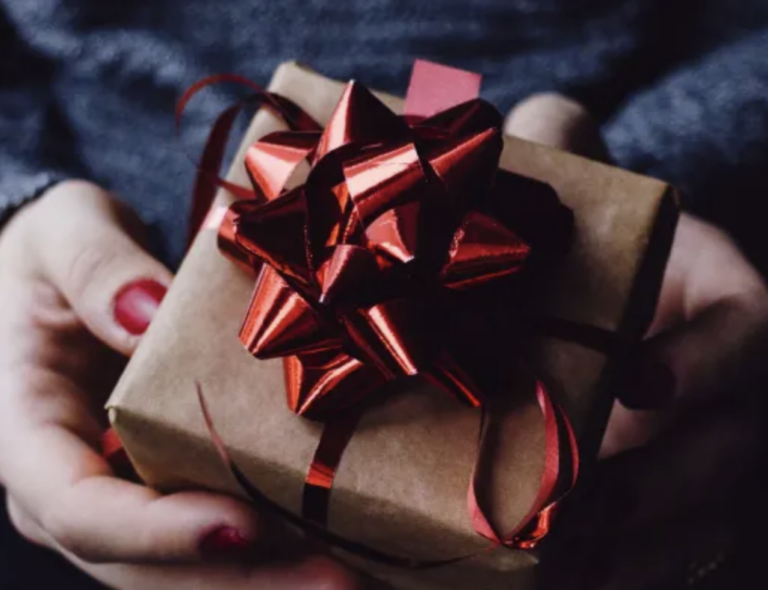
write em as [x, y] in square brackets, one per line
[399, 256]
[383, 264]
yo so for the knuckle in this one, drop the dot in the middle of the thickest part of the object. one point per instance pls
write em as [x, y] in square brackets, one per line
[86, 265]
[22, 523]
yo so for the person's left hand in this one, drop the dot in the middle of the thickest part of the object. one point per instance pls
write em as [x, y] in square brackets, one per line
[76, 290]
[680, 447]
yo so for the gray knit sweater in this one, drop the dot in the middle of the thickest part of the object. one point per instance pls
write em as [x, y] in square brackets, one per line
[87, 87]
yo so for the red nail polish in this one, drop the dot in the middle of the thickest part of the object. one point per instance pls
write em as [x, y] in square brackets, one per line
[136, 304]
[225, 543]
[648, 385]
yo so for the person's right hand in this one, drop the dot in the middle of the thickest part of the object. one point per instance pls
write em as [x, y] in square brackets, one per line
[76, 292]
[683, 445]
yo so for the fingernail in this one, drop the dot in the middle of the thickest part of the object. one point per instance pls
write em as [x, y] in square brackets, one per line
[136, 304]
[225, 543]
[647, 385]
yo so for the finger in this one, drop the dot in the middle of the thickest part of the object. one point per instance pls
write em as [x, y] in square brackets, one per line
[113, 284]
[557, 121]
[314, 573]
[102, 519]
[68, 489]
[722, 327]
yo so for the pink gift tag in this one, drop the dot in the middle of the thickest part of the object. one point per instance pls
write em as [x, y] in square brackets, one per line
[436, 87]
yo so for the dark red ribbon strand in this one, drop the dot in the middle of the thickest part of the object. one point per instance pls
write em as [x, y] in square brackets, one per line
[206, 183]
[208, 180]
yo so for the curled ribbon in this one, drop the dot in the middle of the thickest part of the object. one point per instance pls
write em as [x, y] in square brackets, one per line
[396, 253]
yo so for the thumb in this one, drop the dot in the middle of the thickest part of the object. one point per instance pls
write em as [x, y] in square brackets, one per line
[81, 237]
[557, 121]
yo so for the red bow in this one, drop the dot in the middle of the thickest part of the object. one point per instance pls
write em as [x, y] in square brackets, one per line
[390, 219]
[384, 263]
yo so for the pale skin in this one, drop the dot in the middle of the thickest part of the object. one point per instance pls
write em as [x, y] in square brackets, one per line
[64, 257]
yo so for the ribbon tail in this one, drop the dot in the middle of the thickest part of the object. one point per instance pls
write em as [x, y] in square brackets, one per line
[322, 471]
[207, 180]
[541, 522]
[561, 471]
[560, 442]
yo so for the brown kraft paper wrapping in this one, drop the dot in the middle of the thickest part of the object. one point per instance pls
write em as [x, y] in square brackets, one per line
[402, 484]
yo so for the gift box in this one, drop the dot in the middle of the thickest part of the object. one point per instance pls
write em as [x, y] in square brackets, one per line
[401, 486]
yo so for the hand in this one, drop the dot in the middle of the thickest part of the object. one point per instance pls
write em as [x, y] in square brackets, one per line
[77, 292]
[674, 501]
